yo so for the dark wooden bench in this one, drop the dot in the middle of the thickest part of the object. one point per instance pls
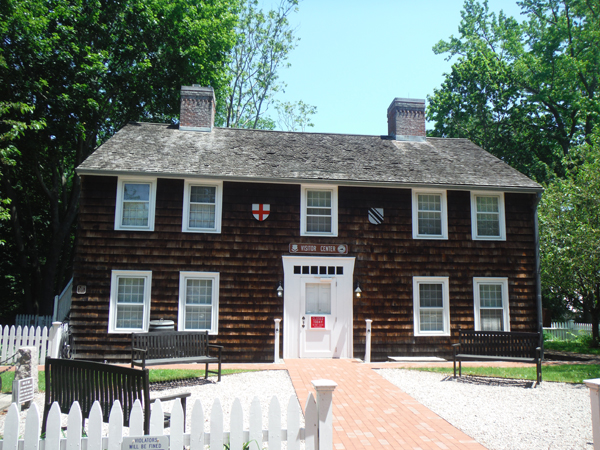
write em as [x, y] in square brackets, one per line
[70, 380]
[498, 346]
[174, 347]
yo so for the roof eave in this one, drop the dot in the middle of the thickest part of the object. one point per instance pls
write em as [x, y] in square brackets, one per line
[339, 182]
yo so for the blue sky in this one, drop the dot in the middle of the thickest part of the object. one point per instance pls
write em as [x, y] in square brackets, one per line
[354, 57]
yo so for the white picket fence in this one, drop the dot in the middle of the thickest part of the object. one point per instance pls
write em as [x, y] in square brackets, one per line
[44, 339]
[569, 330]
[317, 433]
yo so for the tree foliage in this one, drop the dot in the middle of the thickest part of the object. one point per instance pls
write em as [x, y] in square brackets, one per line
[527, 92]
[295, 116]
[85, 68]
[569, 215]
[264, 41]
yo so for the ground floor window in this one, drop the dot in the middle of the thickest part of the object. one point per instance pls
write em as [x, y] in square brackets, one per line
[129, 301]
[491, 304]
[431, 306]
[199, 301]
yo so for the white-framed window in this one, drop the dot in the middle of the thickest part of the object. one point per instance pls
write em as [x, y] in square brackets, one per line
[319, 211]
[136, 200]
[198, 301]
[129, 301]
[202, 206]
[429, 214]
[487, 216]
[491, 304]
[431, 306]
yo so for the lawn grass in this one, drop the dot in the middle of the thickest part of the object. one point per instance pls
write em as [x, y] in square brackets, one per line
[564, 373]
[156, 375]
[575, 346]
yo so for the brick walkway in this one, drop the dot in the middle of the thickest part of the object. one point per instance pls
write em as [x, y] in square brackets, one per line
[369, 412]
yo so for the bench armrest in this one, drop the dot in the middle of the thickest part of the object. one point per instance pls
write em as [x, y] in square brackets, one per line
[138, 352]
[171, 397]
[456, 345]
[218, 347]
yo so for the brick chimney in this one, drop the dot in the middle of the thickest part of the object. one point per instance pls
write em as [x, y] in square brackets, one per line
[406, 119]
[197, 108]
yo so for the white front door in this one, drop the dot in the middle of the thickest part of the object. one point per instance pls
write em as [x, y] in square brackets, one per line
[318, 310]
[317, 307]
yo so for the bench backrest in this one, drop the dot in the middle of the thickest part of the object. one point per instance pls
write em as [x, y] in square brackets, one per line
[171, 344]
[499, 343]
[69, 380]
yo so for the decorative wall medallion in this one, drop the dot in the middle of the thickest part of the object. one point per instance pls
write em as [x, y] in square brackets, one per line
[261, 211]
[376, 215]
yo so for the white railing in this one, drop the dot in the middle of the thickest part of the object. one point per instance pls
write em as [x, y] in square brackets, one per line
[568, 330]
[31, 320]
[62, 303]
[316, 434]
[11, 339]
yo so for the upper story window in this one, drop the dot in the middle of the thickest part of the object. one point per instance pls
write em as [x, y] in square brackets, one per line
[429, 214]
[129, 301]
[491, 304]
[431, 306]
[199, 301]
[136, 200]
[319, 215]
[487, 216]
[202, 205]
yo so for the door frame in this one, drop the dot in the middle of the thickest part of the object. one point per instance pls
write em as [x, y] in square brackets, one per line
[291, 301]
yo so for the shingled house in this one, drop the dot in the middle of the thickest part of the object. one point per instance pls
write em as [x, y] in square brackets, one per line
[227, 229]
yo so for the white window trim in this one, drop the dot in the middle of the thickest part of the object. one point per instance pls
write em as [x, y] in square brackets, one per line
[151, 203]
[501, 218]
[415, 213]
[444, 281]
[334, 209]
[477, 281]
[183, 277]
[114, 285]
[186, 205]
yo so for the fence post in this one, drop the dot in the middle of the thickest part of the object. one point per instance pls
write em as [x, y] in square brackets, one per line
[54, 337]
[325, 390]
[594, 386]
[276, 358]
[368, 342]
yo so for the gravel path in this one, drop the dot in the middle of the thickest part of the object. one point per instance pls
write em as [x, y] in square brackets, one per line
[504, 414]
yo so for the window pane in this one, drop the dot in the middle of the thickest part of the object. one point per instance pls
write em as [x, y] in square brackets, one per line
[203, 194]
[130, 290]
[431, 202]
[431, 320]
[202, 216]
[318, 298]
[197, 317]
[135, 214]
[491, 320]
[487, 204]
[198, 292]
[136, 192]
[490, 295]
[430, 214]
[321, 199]
[318, 224]
[488, 216]
[130, 316]
[430, 295]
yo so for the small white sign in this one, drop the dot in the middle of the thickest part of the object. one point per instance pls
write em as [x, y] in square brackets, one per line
[145, 443]
[23, 390]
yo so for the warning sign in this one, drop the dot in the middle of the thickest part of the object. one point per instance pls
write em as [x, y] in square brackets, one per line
[145, 443]
[317, 322]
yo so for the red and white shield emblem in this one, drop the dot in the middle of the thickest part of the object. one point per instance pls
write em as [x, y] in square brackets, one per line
[261, 211]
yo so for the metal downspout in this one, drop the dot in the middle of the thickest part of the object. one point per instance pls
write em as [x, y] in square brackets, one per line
[538, 279]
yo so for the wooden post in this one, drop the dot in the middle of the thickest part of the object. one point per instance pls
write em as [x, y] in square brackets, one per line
[368, 342]
[54, 336]
[594, 386]
[276, 358]
[325, 390]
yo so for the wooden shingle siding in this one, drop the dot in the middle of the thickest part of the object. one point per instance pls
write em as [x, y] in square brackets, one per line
[247, 255]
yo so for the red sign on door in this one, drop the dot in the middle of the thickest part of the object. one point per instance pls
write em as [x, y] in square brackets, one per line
[317, 322]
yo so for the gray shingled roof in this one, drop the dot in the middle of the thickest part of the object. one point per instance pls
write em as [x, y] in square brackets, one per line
[235, 154]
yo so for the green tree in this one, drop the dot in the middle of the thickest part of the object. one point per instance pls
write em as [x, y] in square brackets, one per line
[527, 92]
[295, 116]
[86, 68]
[264, 41]
[569, 215]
